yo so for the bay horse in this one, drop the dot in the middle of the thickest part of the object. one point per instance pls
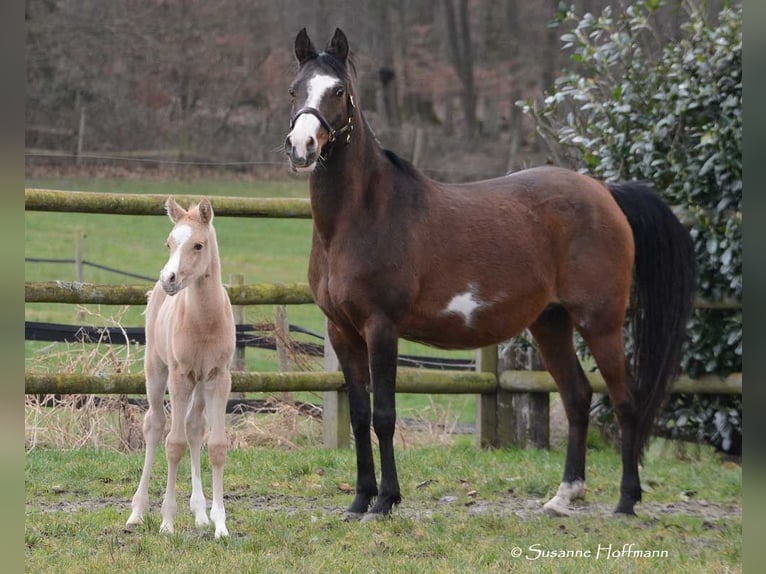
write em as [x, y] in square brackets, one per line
[458, 266]
[190, 342]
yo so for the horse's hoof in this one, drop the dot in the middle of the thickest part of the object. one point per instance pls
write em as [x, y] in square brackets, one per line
[374, 517]
[555, 507]
[349, 516]
[131, 527]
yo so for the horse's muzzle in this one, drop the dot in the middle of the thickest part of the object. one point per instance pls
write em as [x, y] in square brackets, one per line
[298, 160]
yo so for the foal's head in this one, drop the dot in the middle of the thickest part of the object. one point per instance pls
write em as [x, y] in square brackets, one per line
[322, 101]
[191, 243]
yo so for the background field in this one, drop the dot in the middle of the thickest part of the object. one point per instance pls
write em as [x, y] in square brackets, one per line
[263, 250]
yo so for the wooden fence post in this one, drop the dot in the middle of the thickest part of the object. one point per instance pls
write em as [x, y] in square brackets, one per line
[527, 424]
[486, 410]
[239, 319]
[79, 265]
[282, 340]
[336, 418]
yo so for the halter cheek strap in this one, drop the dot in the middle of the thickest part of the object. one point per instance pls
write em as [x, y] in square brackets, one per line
[333, 133]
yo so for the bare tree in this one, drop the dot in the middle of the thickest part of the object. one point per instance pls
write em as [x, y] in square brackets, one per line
[461, 56]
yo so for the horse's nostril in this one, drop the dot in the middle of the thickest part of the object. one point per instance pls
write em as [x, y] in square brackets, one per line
[311, 144]
[172, 278]
[288, 144]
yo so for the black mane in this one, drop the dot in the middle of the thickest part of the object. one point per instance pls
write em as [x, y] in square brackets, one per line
[402, 164]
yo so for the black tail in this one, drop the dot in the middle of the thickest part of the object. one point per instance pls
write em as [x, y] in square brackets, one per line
[662, 299]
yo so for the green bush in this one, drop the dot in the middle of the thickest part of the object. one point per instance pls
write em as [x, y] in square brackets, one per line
[636, 106]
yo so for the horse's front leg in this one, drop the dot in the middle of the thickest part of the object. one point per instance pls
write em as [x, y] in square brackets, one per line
[382, 344]
[216, 394]
[154, 427]
[195, 433]
[352, 356]
[175, 444]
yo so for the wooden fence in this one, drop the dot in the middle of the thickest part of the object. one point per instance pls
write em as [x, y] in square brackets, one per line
[512, 404]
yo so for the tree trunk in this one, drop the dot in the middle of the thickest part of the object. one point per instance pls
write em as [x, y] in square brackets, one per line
[461, 56]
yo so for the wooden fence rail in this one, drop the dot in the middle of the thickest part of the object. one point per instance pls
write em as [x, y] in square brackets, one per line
[511, 404]
[91, 294]
[133, 204]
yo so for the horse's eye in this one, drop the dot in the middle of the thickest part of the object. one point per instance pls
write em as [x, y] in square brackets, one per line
[339, 92]
[291, 91]
[167, 244]
[197, 247]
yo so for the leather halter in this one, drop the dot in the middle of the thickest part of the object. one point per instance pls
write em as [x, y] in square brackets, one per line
[333, 133]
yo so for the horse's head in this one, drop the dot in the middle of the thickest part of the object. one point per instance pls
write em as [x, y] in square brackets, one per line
[322, 101]
[191, 244]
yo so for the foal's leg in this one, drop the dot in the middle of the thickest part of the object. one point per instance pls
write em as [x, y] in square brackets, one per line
[195, 433]
[608, 351]
[154, 426]
[553, 332]
[382, 342]
[216, 394]
[352, 356]
[175, 445]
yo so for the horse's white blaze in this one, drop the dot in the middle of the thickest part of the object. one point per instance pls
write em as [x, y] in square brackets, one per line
[307, 125]
[465, 304]
[180, 235]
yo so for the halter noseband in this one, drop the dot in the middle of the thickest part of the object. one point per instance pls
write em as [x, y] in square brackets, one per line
[333, 133]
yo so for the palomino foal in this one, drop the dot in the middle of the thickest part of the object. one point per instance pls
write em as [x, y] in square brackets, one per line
[190, 340]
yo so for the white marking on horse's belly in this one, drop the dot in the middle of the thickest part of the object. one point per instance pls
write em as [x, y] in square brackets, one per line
[465, 304]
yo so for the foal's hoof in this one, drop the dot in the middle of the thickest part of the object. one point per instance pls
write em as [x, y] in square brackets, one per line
[349, 516]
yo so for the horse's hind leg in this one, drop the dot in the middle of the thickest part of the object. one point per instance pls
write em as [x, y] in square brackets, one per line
[154, 426]
[609, 352]
[216, 393]
[553, 332]
[195, 433]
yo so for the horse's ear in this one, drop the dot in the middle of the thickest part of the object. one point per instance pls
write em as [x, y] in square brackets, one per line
[175, 212]
[205, 211]
[339, 45]
[304, 49]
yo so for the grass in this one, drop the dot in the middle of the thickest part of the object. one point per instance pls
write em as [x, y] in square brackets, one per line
[464, 510]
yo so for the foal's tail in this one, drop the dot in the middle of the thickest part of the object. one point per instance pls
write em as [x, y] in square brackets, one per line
[663, 292]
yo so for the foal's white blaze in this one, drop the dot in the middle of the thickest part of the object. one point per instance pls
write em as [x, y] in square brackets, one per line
[465, 304]
[307, 125]
[567, 492]
[180, 235]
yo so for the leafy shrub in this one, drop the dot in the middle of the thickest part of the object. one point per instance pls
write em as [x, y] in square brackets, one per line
[635, 106]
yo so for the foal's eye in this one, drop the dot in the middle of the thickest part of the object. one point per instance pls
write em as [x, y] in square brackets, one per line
[339, 92]
[197, 247]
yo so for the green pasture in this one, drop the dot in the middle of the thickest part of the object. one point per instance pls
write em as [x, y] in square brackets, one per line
[262, 250]
[463, 510]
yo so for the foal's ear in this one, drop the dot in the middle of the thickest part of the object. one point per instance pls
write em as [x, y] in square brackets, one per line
[339, 45]
[304, 49]
[205, 211]
[175, 212]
